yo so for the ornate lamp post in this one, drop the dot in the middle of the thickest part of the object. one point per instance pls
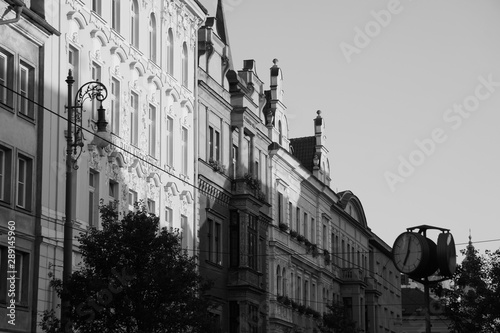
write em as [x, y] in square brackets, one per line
[93, 90]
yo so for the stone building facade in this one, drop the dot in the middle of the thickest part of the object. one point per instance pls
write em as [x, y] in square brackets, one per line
[24, 35]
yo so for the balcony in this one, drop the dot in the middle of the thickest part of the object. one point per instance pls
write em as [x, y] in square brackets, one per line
[280, 311]
[283, 239]
[353, 275]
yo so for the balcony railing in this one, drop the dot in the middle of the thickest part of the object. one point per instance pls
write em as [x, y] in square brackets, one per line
[353, 274]
[287, 241]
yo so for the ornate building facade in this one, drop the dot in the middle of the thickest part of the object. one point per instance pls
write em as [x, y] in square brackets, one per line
[234, 183]
[144, 52]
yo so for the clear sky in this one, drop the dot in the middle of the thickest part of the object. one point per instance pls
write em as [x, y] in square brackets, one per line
[410, 92]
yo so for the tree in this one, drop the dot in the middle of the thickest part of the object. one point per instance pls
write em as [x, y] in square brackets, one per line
[473, 301]
[135, 277]
[337, 320]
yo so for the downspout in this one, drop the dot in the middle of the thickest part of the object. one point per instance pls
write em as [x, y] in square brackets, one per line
[17, 7]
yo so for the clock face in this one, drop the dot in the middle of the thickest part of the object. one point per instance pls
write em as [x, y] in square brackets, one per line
[446, 254]
[409, 252]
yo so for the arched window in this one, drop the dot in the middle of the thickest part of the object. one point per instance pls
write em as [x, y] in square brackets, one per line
[170, 52]
[134, 23]
[184, 65]
[280, 129]
[152, 37]
[278, 281]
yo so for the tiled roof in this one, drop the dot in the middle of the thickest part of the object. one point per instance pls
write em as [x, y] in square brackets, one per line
[304, 149]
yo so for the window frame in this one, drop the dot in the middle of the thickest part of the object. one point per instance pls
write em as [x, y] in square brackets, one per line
[93, 204]
[27, 183]
[184, 151]
[132, 199]
[115, 97]
[6, 169]
[115, 15]
[22, 267]
[169, 141]
[134, 23]
[153, 39]
[185, 66]
[152, 130]
[134, 118]
[96, 7]
[170, 52]
[24, 106]
[7, 72]
[74, 63]
[253, 244]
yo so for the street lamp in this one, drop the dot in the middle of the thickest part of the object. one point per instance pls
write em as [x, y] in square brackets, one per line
[93, 90]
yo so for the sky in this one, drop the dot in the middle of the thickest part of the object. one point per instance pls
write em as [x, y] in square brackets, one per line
[410, 94]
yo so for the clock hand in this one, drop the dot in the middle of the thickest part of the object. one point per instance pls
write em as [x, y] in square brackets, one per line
[407, 253]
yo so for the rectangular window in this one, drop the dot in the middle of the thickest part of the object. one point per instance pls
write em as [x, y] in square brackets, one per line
[21, 279]
[210, 236]
[24, 182]
[152, 130]
[280, 207]
[218, 241]
[73, 64]
[184, 151]
[297, 216]
[2, 173]
[170, 141]
[96, 76]
[96, 6]
[235, 160]
[6, 79]
[168, 216]
[253, 318]
[113, 191]
[93, 198]
[134, 118]
[299, 290]
[26, 90]
[214, 241]
[214, 144]
[151, 206]
[252, 242]
[313, 297]
[306, 292]
[115, 106]
[115, 15]
[132, 199]
[234, 239]
[313, 230]
[306, 229]
[290, 214]
[325, 235]
[184, 231]
[5, 173]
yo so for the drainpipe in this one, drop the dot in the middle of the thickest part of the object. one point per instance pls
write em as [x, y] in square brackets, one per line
[17, 7]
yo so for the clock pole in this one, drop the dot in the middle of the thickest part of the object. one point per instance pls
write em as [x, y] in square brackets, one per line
[440, 258]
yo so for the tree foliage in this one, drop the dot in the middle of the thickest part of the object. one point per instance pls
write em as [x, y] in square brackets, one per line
[337, 320]
[473, 301]
[135, 277]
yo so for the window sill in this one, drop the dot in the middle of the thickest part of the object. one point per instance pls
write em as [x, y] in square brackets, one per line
[26, 117]
[5, 203]
[211, 263]
[22, 209]
[7, 107]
